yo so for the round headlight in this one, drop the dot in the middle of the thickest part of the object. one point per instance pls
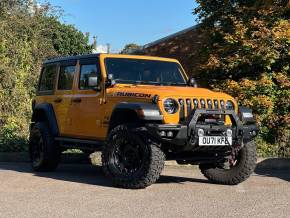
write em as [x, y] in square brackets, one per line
[170, 105]
[230, 105]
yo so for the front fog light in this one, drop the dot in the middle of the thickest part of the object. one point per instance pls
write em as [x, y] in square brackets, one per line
[162, 133]
[170, 134]
[229, 132]
[200, 132]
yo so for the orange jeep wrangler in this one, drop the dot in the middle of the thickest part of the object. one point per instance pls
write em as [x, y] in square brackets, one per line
[139, 111]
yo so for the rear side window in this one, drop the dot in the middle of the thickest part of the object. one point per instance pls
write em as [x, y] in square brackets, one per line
[47, 78]
[87, 71]
[66, 77]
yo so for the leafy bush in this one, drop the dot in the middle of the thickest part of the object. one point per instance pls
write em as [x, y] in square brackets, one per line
[12, 137]
[28, 35]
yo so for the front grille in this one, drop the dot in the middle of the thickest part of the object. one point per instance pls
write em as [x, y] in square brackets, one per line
[189, 104]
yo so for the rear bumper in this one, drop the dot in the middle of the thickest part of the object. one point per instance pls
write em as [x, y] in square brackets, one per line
[185, 135]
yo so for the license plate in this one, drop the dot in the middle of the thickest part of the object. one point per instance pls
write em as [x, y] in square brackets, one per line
[215, 141]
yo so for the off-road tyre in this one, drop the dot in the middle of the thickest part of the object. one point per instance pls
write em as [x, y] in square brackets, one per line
[245, 166]
[152, 159]
[44, 152]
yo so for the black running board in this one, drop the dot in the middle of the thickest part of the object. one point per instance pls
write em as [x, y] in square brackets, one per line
[73, 143]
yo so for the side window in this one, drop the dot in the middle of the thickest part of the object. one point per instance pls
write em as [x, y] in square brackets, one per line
[66, 77]
[47, 79]
[87, 71]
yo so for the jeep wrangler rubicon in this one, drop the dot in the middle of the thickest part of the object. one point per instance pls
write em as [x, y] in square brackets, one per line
[139, 111]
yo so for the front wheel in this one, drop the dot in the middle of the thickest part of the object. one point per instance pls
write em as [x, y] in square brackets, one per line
[238, 171]
[131, 161]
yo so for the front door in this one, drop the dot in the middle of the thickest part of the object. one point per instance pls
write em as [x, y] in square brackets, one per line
[86, 103]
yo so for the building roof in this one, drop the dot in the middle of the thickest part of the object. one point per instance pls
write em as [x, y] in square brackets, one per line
[170, 36]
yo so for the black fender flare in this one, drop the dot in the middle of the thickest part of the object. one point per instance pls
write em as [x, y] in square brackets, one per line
[45, 112]
[142, 111]
[145, 111]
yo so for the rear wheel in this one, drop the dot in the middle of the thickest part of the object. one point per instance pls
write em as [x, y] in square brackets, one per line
[238, 170]
[44, 151]
[130, 160]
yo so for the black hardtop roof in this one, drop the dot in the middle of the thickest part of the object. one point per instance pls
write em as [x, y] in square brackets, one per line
[69, 58]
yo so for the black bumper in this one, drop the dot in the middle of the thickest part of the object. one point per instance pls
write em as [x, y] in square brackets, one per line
[185, 135]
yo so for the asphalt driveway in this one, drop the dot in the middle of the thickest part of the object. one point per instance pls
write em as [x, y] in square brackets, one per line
[83, 191]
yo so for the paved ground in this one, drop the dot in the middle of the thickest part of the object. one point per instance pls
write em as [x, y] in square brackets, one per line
[82, 191]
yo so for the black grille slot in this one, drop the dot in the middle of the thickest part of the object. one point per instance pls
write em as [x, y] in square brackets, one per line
[202, 103]
[182, 111]
[209, 103]
[195, 103]
[216, 104]
[188, 106]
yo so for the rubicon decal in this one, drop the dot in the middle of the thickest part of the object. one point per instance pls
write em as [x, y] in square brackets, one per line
[130, 94]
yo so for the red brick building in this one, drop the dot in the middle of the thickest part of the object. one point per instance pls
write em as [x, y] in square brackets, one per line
[184, 46]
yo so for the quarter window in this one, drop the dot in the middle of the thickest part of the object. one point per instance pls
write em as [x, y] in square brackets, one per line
[87, 71]
[47, 78]
[66, 77]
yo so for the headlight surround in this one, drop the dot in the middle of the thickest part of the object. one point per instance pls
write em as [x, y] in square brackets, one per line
[230, 105]
[170, 105]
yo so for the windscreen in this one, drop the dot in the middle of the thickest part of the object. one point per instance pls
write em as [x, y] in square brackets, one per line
[138, 71]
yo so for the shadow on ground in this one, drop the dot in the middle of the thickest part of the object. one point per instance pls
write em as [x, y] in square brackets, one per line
[93, 175]
[86, 174]
[274, 167]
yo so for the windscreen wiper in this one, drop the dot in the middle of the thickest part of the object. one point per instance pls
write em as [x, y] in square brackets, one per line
[175, 84]
[147, 83]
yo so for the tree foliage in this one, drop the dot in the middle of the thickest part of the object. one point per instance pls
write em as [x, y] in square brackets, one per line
[248, 56]
[66, 39]
[129, 48]
[28, 35]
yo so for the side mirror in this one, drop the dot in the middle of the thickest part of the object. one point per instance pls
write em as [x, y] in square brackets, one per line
[192, 82]
[93, 82]
[110, 81]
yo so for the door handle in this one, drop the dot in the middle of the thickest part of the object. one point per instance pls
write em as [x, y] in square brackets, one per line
[76, 100]
[57, 100]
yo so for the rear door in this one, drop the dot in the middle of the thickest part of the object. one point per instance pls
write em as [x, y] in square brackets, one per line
[63, 96]
[46, 86]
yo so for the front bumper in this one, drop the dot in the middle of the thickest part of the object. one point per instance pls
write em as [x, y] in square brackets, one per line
[185, 135]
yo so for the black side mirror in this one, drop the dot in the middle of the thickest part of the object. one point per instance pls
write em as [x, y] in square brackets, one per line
[110, 81]
[192, 82]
